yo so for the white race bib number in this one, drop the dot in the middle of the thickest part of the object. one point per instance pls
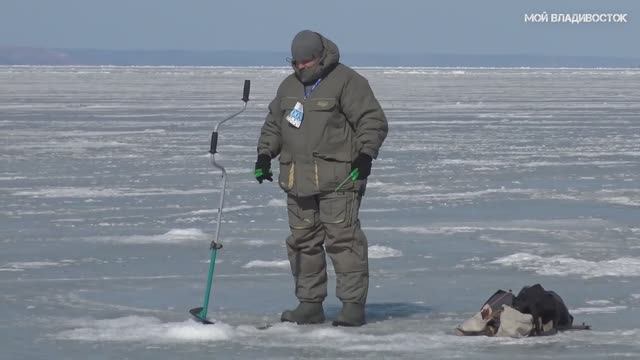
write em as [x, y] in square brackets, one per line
[295, 116]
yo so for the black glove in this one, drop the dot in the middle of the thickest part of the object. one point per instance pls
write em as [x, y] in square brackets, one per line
[363, 164]
[263, 168]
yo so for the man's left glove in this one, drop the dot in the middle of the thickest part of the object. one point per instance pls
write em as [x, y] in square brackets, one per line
[263, 168]
[362, 163]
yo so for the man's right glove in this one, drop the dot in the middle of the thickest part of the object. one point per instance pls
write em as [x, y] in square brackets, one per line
[263, 168]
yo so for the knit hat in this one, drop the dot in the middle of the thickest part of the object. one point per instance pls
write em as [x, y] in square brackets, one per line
[306, 45]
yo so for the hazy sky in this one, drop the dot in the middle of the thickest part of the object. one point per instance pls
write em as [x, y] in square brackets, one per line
[419, 26]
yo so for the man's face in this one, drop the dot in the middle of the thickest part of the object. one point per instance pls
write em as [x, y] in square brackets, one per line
[305, 64]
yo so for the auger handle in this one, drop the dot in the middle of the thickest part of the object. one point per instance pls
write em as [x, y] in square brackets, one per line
[246, 90]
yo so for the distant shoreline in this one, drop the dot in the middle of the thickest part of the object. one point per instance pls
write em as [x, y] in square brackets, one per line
[14, 55]
[269, 67]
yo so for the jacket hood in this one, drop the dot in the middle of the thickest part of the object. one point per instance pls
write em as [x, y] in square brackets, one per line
[331, 55]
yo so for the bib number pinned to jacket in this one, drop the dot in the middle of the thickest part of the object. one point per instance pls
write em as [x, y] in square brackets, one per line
[296, 115]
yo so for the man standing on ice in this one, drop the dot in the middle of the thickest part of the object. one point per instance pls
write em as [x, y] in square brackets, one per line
[327, 126]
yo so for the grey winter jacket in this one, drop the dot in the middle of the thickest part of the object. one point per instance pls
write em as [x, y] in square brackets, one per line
[342, 118]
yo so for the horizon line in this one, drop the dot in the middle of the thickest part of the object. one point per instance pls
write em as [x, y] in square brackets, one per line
[398, 53]
[381, 67]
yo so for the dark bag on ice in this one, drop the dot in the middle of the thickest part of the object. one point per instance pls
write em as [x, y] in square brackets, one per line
[545, 306]
[533, 312]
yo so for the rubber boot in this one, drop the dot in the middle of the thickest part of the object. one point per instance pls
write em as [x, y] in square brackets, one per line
[352, 314]
[305, 313]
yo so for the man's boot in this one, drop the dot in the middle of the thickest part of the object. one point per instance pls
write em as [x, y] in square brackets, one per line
[352, 314]
[305, 313]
